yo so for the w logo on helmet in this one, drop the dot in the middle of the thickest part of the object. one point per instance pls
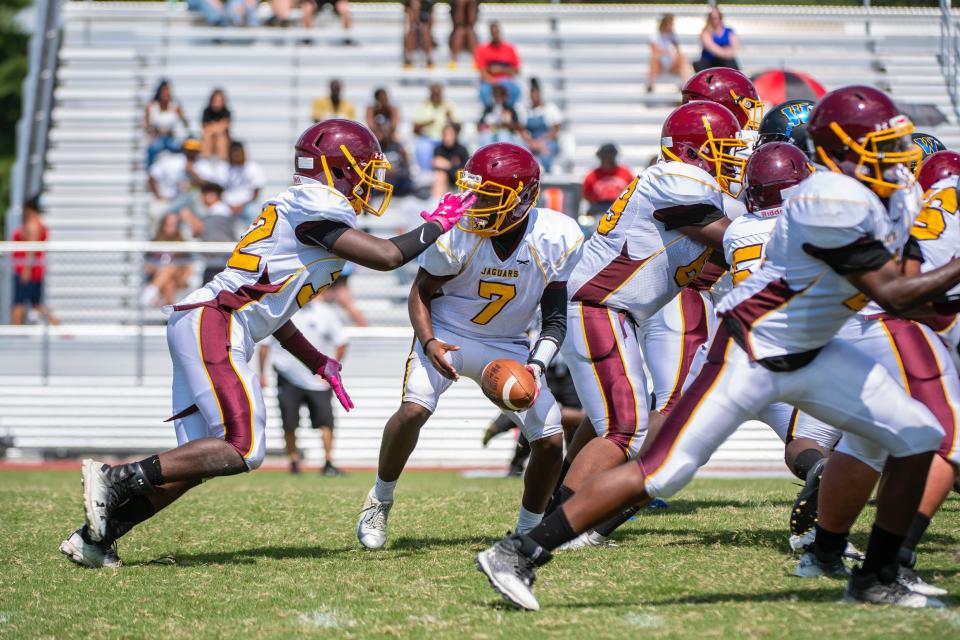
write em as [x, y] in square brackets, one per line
[927, 144]
[796, 114]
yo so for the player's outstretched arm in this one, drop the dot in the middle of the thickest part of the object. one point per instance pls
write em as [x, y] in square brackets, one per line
[324, 366]
[387, 255]
[424, 287]
[898, 293]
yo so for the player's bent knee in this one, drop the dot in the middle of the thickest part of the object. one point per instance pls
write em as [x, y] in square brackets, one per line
[549, 445]
[413, 414]
[675, 476]
[255, 459]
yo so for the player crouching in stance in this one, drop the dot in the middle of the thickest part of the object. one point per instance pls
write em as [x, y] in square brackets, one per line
[294, 250]
[836, 239]
[477, 292]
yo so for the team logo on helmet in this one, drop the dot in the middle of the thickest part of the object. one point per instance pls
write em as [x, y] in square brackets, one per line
[796, 115]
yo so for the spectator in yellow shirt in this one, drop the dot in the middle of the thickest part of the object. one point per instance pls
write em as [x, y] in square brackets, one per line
[333, 106]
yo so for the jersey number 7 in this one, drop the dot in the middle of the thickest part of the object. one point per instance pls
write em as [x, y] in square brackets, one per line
[499, 294]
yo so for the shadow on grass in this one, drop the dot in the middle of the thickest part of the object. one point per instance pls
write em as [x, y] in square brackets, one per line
[682, 506]
[830, 593]
[245, 556]
[764, 538]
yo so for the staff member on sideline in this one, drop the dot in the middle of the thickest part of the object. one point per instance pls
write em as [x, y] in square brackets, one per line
[297, 386]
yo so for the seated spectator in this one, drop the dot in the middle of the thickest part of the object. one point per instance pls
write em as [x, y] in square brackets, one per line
[418, 31]
[603, 185]
[463, 37]
[213, 11]
[448, 159]
[244, 180]
[160, 118]
[170, 179]
[499, 121]
[666, 56]
[333, 105]
[429, 121]
[242, 13]
[215, 122]
[29, 268]
[499, 65]
[309, 8]
[541, 126]
[212, 221]
[720, 44]
[168, 272]
[383, 114]
[398, 174]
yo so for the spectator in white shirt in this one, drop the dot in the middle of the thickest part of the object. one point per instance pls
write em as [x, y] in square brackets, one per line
[666, 56]
[297, 385]
[541, 126]
[171, 178]
[244, 180]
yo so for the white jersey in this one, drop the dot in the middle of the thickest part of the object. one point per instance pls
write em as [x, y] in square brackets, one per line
[271, 273]
[795, 302]
[490, 297]
[937, 231]
[637, 260]
[745, 239]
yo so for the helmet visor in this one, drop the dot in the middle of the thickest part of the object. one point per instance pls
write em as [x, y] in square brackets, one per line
[494, 201]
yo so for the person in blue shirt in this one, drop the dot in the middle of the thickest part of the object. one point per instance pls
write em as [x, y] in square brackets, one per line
[720, 44]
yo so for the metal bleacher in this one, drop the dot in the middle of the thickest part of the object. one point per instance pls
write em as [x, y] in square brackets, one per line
[592, 61]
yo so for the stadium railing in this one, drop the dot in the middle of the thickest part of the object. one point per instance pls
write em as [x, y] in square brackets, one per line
[950, 53]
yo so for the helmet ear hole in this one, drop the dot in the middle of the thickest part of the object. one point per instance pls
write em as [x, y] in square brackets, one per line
[691, 154]
[337, 173]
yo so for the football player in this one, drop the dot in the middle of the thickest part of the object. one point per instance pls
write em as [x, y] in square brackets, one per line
[654, 241]
[786, 122]
[914, 355]
[730, 88]
[294, 250]
[834, 245]
[477, 292]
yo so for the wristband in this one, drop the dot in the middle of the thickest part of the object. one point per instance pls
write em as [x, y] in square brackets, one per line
[424, 345]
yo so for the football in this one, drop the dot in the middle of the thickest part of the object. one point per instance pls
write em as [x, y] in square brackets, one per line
[508, 385]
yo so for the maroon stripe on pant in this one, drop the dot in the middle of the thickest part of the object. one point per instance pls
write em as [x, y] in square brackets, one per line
[792, 426]
[708, 276]
[677, 421]
[228, 388]
[609, 279]
[922, 370]
[773, 296]
[695, 325]
[618, 393]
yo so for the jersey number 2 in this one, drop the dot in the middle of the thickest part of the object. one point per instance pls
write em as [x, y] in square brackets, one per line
[499, 294]
[261, 229]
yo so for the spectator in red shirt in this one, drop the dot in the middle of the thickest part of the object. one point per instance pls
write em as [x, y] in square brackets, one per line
[498, 63]
[603, 185]
[28, 267]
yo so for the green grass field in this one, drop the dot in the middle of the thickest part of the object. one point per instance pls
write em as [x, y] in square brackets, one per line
[271, 555]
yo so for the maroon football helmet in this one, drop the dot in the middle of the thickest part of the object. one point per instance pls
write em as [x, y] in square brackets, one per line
[730, 88]
[506, 181]
[773, 167]
[346, 156]
[859, 131]
[704, 134]
[938, 166]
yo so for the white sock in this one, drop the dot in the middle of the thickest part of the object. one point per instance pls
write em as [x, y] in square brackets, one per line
[383, 491]
[527, 520]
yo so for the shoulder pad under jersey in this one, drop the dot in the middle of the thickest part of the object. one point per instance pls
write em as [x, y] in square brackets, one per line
[828, 199]
[678, 183]
[318, 201]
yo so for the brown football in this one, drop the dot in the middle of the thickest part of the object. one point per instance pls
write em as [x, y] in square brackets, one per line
[508, 385]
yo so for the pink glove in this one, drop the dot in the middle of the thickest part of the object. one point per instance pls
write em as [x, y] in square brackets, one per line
[536, 372]
[330, 371]
[450, 209]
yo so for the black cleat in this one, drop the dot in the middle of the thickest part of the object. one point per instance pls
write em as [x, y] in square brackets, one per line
[804, 513]
[867, 588]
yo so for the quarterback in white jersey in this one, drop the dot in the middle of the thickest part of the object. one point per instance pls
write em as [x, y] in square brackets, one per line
[295, 249]
[654, 240]
[835, 240]
[478, 290]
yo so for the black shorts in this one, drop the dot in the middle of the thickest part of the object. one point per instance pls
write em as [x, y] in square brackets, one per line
[30, 293]
[291, 398]
[560, 383]
[322, 3]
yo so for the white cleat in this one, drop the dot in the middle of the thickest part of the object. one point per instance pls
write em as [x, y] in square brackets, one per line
[799, 544]
[587, 539]
[372, 525]
[810, 566]
[912, 580]
[867, 589]
[97, 498]
[511, 571]
[90, 555]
